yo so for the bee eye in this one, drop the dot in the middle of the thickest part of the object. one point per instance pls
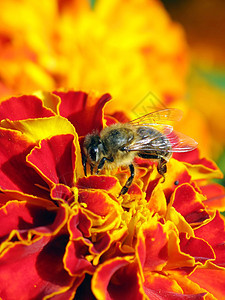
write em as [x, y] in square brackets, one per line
[93, 153]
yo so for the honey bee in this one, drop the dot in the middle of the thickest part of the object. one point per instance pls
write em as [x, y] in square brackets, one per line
[150, 136]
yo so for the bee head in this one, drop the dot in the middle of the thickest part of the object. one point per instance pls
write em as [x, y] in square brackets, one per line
[93, 147]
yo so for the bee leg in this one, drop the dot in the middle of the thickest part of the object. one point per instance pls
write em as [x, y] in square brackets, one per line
[128, 182]
[162, 168]
[102, 162]
[92, 168]
[84, 163]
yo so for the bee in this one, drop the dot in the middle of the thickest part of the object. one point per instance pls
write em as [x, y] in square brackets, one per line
[150, 136]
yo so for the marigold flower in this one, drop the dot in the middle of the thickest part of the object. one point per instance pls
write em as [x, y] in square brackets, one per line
[66, 236]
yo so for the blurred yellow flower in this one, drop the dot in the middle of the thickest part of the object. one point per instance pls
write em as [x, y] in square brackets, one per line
[203, 25]
[126, 47]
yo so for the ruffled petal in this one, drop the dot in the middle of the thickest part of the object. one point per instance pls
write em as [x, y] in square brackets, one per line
[82, 253]
[215, 196]
[179, 221]
[204, 169]
[14, 172]
[189, 156]
[79, 106]
[197, 248]
[79, 225]
[157, 201]
[160, 287]
[193, 158]
[62, 192]
[188, 202]
[177, 259]
[36, 268]
[76, 255]
[107, 183]
[24, 107]
[24, 220]
[212, 280]
[60, 165]
[42, 128]
[177, 174]
[117, 279]
[49, 100]
[104, 211]
[214, 233]
[152, 246]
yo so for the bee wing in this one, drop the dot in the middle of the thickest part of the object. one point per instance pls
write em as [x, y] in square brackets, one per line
[178, 142]
[163, 116]
[152, 133]
[164, 129]
[181, 142]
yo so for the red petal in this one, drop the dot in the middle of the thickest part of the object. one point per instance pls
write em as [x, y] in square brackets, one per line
[188, 202]
[34, 271]
[143, 162]
[55, 159]
[215, 194]
[79, 225]
[104, 211]
[121, 117]
[75, 260]
[135, 192]
[62, 192]
[101, 244]
[193, 157]
[110, 120]
[197, 248]
[188, 157]
[25, 217]
[211, 280]
[14, 172]
[177, 174]
[67, 293]
[152, 247]
[200, 169]
[151, 186]
[97, 202]
[205, 162]
[159, 287]
[24, 107]
[168, 295]
[178, 179]
[214, 233]
[80, 247]
[107, 183]
[79, 108]
[117, 279]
